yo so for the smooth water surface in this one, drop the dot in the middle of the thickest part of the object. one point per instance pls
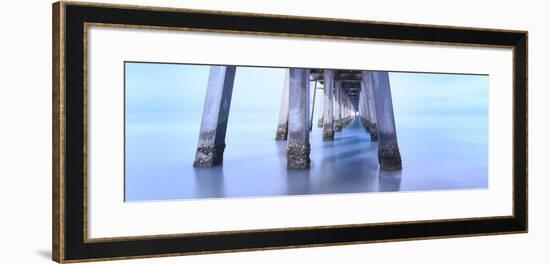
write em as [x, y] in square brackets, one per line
[438, 152]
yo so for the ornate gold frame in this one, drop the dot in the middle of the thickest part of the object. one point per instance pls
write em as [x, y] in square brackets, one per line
[58, 128]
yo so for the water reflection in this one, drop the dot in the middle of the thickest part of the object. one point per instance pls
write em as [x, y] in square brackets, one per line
[389, 181]
[209, 182]
[298, 182]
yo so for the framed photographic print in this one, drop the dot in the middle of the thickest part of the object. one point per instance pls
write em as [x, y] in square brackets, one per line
[181, 131]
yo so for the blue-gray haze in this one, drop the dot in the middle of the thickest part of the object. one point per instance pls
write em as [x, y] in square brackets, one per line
[441, 122]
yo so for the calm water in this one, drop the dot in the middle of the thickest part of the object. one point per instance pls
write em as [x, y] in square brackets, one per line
[439, 152]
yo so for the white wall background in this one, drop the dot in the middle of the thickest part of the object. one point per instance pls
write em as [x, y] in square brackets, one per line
[25, 134]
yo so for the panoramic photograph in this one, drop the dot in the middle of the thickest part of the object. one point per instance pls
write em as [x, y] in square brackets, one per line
[224, 131]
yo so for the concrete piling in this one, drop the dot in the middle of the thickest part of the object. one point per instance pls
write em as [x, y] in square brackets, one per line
[312, 105]
[338, 106]
[389, 156]
[215, 114]
[328, 126]
[363, 109]
[282, 126]
[320, 112]
[298, 147]
[370, 104]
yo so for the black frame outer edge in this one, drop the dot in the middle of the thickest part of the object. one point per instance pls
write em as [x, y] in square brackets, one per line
[77, 249]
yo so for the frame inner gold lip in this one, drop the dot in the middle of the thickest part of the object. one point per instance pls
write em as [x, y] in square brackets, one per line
[61, 108]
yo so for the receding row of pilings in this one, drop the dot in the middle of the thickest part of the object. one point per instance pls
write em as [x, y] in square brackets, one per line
[346, 95]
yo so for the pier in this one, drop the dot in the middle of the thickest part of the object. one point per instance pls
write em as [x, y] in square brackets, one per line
[347, 95]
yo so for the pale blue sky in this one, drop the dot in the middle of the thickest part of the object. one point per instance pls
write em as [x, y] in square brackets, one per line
[164, 91]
